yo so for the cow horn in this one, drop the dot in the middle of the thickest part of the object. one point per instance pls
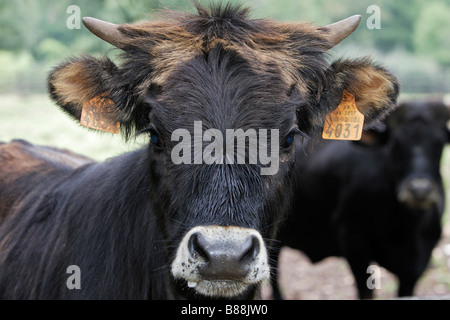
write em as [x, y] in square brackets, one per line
[106, 31]
[340, 30]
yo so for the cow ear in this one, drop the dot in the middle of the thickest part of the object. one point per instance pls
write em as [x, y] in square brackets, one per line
[374, 88]
[81, 85]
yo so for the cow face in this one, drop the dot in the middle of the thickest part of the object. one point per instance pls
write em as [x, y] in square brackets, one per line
[418, 132]
[199, 84]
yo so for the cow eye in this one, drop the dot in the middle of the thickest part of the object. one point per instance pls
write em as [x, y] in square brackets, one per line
[154, 138]
[290, 138]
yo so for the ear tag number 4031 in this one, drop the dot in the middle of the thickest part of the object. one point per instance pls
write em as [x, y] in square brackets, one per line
[345, 122]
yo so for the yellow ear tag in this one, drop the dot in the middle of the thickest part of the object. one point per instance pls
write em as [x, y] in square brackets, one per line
[345, 122]
[96, 114]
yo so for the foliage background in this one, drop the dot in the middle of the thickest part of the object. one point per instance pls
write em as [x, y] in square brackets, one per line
[413, 40]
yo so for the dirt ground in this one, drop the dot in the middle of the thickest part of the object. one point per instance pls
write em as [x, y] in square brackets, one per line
[331, 279]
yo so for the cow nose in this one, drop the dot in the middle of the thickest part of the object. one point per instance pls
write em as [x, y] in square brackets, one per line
[420, 188]
[224, 260]
[221, 261]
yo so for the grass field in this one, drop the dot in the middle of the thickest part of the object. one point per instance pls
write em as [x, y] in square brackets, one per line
[37, 119]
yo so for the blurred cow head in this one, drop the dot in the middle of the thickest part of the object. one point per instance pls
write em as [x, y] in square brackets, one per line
[418, 133]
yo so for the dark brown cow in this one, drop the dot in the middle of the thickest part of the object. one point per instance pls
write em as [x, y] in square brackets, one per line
[147, 225]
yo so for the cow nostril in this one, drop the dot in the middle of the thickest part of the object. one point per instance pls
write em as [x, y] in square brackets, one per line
[251, 248]
[197, 246]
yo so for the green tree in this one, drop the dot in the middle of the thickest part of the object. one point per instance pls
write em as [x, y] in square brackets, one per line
[432, 32]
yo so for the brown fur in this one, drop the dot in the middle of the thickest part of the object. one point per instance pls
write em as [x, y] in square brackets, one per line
[74, 83]
[373, 89]
[171, 43]
[22, 160]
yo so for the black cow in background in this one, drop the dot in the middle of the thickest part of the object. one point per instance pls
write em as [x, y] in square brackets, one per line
[379, 199]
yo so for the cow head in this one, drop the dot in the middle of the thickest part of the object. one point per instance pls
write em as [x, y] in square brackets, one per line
[413, 137]
[417, 133]
[218, 72]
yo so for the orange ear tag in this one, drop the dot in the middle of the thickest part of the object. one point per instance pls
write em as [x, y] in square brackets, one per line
[345, 122]
[96, 114]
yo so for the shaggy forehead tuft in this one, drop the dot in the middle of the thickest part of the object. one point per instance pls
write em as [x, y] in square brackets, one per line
[178, 37]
